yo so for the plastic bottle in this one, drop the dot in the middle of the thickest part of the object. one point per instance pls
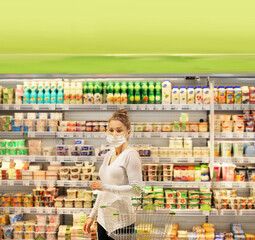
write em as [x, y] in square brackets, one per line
[222, 95]
[166, 92]
[215, 92]
[26, 95]
[18, 94]
[66, 92]
[206, 95]
[98, 97]
[238, 95]
[183, 95]
[90, 93]
[60, 93]
[40, 95]
[252, 95]
[73, 93]
[131, 97]
[245, 95]
[151, 93]
[110, 97]
[145, 98]
[53, 89]
[198, 95]
[137, 93]
[175, 95]
[158, 93]
[78, 93]
[123, 95]
[191, 95]
[47, 94]
[104, 92]
[117, 92]
[229, 95]
[33, 96]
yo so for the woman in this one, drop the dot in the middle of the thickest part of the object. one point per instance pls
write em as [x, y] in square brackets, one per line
[119, 174]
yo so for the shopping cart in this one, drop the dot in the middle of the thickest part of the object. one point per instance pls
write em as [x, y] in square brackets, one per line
[138, 223]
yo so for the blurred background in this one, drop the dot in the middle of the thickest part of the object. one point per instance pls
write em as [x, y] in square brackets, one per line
[126, 36]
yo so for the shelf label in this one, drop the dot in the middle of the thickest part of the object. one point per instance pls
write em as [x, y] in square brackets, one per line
[237, 107]
[36, 107]
[150, 107]
[26, 182]
[6, 107]
[31, 134]
[16, 107]
[245, 107]
[65, 107]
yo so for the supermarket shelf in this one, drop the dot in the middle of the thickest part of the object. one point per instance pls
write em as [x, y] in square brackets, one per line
[103, 134]
[170, 134]
[241, 160]
[27, 182]
[232, 184]
[73, 210]
[104, 107]
[81, 134]
[174, 184]
[144, 159]
[230, 135]
[32, 210]
[234, 107]
[29, 134]
[29, 158]
[178, 212]
[72, 183]
[28, 107]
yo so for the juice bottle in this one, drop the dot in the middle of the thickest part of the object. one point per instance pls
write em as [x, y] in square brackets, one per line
[166, 92]
[222, 95]
[175, 95]
[18, 94]
[47, 95]
[26, 95]
[73, 93]
[98, 97]
[252, 95]
[229, 95]
[66, 92]
[117, 92]
[238, 95]
[104, 92]
[183, 95]
[110, 97]
[33, 96]
[151, 93]
[191, 95]
[85, 92]
[198, 95]
[78, 93]
[245, 95]
[137, 92]
[158, 92]
[131, 97]
[90, 93]
[40, 95]
[60, 94]
[215, 95]
[206, 95]
[123, 95]
[53, 97]
[145, 98]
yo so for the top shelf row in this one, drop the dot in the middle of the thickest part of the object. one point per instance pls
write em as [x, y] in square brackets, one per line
[129, 107]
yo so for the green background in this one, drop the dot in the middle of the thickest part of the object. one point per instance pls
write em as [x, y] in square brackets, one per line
[77, 28]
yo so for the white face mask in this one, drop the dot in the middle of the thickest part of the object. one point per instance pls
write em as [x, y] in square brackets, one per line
[116, 141]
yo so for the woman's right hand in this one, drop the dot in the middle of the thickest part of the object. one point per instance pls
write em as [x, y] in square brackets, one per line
[87, 225]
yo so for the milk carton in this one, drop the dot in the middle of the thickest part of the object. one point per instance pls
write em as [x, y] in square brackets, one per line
[166, 92]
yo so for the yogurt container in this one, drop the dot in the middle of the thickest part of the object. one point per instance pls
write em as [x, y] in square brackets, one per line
[226, 149]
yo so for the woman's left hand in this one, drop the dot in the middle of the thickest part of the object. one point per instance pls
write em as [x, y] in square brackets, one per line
[96, 185]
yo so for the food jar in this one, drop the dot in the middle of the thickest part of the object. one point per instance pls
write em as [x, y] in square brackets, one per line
[157, 127]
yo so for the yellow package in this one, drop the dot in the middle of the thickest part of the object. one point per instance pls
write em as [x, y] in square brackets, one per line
[208, 225]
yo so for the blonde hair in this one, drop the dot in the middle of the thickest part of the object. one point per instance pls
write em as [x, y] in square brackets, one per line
[122, 116]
